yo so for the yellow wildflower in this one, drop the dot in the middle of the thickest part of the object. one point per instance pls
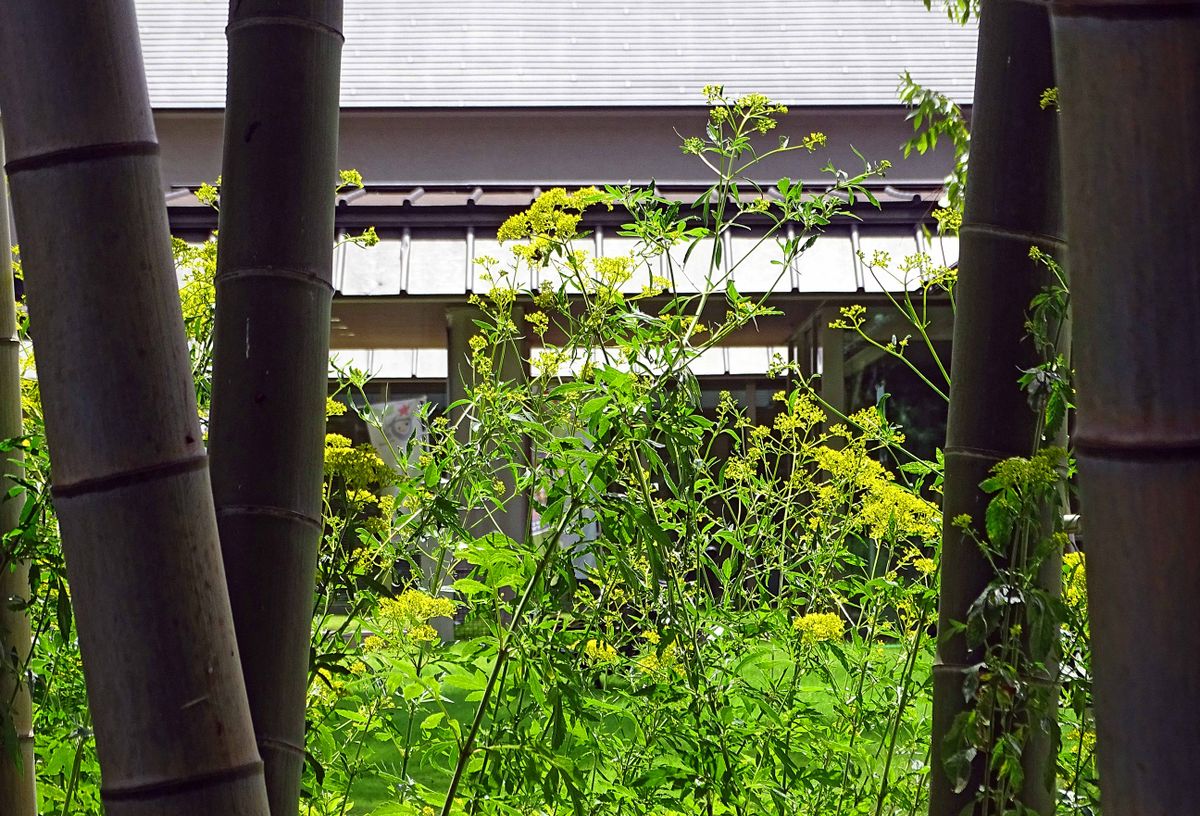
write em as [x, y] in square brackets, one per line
[1074, 591]
[334, 408]
[817, 627]
[359, 466]
[407, 616]
[539, 321]
[600, 653]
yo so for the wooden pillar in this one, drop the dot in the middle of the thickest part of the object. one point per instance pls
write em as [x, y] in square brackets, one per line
[831, 346]
[460, 328]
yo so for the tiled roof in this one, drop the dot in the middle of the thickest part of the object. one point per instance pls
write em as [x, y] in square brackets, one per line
[523, 53]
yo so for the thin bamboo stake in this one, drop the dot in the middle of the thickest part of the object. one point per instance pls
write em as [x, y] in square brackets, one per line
[18, 793]
[1012, 203]
[130, 475]
[1129, 79]
[271, 352]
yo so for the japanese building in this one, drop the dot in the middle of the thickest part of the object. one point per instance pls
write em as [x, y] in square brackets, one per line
[458, 114]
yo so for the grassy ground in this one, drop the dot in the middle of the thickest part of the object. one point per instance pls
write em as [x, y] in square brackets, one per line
[374, 793]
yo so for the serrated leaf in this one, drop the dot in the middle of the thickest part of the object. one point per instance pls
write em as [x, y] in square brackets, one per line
[469, 587]
[998, 521]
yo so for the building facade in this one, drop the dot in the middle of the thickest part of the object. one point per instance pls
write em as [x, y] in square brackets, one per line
[460, 113]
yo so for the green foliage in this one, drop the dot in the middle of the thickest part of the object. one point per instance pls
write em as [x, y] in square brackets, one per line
[1034, 654]
[68, 773]
[714, 615]
[960, 11]
[935, 116]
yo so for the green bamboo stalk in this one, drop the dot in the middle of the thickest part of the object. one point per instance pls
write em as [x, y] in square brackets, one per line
[18, 793]
[1013, 202]
[271, 352]
[1129, 79]
[130, 476]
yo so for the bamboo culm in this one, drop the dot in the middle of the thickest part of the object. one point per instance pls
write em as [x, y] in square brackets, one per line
[1129, 86]
[271, 352]
[18, 794]
[128, 466]
[1013, 202]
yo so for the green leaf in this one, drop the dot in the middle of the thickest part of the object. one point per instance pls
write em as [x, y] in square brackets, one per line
[469, 587]
[62, 609]
[999, 521]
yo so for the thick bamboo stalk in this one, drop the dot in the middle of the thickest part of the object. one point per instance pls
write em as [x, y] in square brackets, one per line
[18, 794]
[130, 475]
[1129, 79]
[1012, 203]
[271, 352]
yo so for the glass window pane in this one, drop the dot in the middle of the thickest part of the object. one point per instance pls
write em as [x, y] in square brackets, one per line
[756, 265]
[698, 272]
[437, 266]
[368, 270]
[828, 265]
[890, 278]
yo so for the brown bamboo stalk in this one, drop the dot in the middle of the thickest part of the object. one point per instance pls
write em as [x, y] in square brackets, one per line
[130, 475]
[1013, 202]
[18, 793]
[271, 352]
[1129, 79]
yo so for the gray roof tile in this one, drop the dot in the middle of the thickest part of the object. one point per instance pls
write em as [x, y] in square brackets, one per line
[558, 53]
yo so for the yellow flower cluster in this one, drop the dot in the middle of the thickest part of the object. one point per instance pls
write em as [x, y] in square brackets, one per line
[358, 465]
[949, 219]
[326, 688]
[503, 296]
[654, 663]
[852, 317]
[817, 627]
[209, 194]
[813, 140]
[380, 510]
[334, 408]
[350, 178]
[889, 510]
[802, 415]
[406, 617]
[553, 220]
[738, 469]
[548, 361]
[754, 108]
[539, 321]
[656, 287]
[885, 509]
[875, 426]
[1038, 473]
[600, 653]
[1074, 590]
[545, 297]
[925, 566]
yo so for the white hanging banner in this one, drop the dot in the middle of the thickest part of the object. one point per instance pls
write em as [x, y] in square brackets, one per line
[400, 432]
